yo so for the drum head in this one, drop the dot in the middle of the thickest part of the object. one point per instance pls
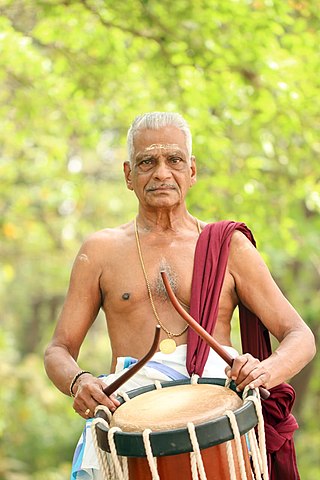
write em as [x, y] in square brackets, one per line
[173, 407]
[172, 436]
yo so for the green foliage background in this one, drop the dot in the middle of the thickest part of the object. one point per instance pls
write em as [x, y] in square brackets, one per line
[73, 75]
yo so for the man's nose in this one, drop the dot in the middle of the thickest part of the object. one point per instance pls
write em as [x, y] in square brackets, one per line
[162, 171]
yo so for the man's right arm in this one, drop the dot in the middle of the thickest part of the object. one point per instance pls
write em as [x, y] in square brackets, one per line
[79, 311]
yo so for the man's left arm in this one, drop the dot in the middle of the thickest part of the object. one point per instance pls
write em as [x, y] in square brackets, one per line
[257, 290]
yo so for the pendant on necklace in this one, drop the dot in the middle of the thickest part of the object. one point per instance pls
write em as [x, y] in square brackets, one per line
[168, 345]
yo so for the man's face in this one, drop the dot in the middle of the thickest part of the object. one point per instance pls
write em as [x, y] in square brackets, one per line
[161, 172]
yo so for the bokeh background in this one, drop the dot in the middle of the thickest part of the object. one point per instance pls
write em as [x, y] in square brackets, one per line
[73, 75]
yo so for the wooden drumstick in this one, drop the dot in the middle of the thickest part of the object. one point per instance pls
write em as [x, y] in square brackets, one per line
[136, 367]
[222, 352]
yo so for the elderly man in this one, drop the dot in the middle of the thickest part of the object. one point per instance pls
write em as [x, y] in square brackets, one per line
[118, 270]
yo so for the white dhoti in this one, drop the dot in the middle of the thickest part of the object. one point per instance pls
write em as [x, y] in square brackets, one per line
[162, 367]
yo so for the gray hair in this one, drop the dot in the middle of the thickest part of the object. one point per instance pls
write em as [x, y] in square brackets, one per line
[155, 121]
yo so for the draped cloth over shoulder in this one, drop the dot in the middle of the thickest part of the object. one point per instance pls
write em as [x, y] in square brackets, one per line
[210, 262]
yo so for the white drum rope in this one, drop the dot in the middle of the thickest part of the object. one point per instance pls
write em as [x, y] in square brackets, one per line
[124, 395]
[194, 469]
[106, 410]
[125, 468]
[121, 473]
[255, 454]
[261, 433]
[237, 440]
[151, 459]
[196, 450]
[193, 455]
[102, 456]
[106, 468]
[194, 379]
[157, 384]
[113, 467]
[227, 383]
[256, 446]
[232, 470]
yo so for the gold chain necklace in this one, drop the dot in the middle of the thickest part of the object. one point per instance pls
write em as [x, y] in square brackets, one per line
[168, 345]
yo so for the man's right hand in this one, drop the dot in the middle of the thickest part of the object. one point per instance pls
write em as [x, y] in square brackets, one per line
[89, 393]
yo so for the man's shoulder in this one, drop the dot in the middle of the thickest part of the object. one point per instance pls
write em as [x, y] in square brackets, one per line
[107, 237]
[239, 239]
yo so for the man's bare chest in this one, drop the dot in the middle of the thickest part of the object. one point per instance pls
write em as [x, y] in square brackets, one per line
[126, 277]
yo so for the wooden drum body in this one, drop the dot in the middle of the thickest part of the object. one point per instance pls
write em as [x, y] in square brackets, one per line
[168, 412]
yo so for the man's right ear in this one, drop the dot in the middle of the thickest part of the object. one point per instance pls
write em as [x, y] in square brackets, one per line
[127, 173]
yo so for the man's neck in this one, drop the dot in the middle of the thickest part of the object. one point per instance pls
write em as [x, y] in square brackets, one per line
[165, 221]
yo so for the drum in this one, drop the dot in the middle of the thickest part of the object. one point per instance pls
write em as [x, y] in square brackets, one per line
[179, 431]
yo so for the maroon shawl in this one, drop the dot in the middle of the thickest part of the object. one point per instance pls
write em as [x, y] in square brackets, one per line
[210, 263]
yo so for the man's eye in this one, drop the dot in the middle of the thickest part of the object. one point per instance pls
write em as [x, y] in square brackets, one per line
[175, 160]
[145, 164]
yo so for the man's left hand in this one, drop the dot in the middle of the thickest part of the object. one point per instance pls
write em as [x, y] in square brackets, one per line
[247, 370]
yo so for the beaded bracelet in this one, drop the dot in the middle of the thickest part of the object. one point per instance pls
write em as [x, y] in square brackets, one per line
[75, 378]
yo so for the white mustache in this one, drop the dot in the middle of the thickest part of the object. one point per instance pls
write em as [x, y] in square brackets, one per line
[163, 185]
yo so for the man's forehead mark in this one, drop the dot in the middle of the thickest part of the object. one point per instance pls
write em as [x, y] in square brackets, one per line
[161, 145]
[155, 146]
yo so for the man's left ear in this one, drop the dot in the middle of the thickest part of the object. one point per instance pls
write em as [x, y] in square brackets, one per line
[193, 171]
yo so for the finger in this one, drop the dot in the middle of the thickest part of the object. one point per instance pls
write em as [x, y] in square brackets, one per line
[83, 411]
[91, 394]
[244, 368]
[84, 401]
[227, 371]
[256, 378]
[237, 365]
[86, 414]
[101, 398]
[84, 404]
[115, 400]
[91, 402]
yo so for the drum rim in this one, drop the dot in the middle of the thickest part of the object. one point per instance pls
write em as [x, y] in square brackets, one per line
[176, 441]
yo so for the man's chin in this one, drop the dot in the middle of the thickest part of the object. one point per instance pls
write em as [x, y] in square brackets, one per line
[162, 198]
[162, 202]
